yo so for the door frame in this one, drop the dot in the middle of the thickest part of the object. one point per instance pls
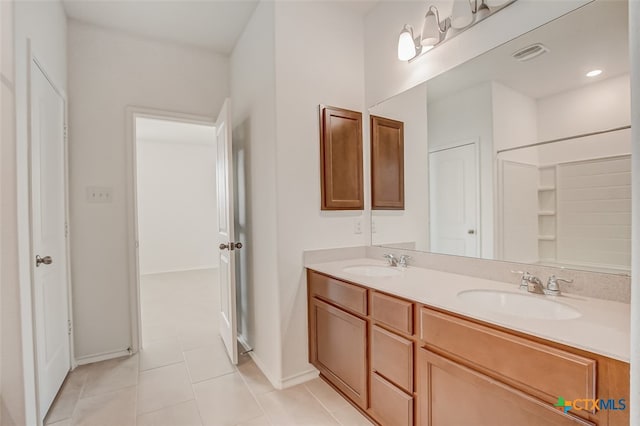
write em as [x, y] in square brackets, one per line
[132, 113]
[34, 61]
[476, 149]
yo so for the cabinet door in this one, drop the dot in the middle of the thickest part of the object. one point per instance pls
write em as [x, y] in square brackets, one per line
[341, 159]
[451, 394]
[387, 164]
[338, 348]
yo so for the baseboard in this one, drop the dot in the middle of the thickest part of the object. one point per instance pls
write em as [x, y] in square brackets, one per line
[298, 378]
[90, 359]
[277, 383]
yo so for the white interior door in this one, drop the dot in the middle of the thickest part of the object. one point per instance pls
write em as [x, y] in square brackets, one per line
[50, 291]
[453, 195]
[227, 244]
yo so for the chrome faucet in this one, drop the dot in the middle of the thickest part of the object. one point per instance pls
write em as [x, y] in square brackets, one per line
[392, 259]
[530, 282]
[403, 262]
[553, 288]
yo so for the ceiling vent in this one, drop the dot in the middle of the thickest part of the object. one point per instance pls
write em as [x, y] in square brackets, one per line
[530, 52]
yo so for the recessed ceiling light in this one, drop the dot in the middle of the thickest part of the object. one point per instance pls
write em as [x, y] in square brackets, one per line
[594, 73]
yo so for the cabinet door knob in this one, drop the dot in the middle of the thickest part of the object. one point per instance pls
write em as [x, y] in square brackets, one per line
[471, 231]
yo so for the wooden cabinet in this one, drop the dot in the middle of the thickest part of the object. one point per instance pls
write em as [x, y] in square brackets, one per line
[402, 363]
[452, 394]
[387, 164]
[341, 159]
[338, 341]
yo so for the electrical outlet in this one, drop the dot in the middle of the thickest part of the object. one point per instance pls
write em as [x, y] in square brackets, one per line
[357, 227]
[99, 194]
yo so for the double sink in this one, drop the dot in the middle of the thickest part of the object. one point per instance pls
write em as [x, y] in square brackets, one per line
[522, 305]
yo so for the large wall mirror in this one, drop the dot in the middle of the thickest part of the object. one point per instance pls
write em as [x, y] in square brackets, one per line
[523, 153]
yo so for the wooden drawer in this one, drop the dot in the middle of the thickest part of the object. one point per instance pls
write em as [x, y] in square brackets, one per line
[535, 367]
[392, 357]
[393, 312]
[452, 394]
[339, 293]
[389, 405]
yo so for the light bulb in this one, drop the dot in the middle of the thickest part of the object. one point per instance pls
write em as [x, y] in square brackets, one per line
[594, 73]
[430, 35]
[406, 45]
[461, 15]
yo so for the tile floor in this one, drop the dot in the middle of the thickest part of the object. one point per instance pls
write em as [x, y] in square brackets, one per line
[183, 376]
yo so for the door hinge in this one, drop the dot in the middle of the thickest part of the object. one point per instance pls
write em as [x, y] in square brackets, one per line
[69, 326]
[66, 230]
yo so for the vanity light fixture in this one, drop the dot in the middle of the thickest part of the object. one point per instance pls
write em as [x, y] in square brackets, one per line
[464, 14]
[594, 73]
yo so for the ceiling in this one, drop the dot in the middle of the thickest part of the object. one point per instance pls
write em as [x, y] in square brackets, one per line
[592, 37]
[152, 130]
[211, 24]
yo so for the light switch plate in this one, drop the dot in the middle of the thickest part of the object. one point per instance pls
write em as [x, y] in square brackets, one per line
[357, 226]
[99, 194]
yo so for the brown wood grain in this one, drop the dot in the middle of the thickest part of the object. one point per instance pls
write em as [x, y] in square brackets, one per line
[345, 295]
[392, 357]
[390, 405]
[392, 311]
[341, 176]
[387, 164]
[452, 394]
[551, 371]
[339, 349]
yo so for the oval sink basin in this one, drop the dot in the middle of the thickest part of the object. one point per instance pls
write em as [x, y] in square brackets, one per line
[519, 305]
[372, 271]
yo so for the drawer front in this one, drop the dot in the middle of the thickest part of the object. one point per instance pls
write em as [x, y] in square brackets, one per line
[551, 371]
[393, 312]
[392, 357]
[389, 405]
[346, 295]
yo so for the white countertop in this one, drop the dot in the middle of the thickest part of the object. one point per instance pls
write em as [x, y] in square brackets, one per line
[603, 327]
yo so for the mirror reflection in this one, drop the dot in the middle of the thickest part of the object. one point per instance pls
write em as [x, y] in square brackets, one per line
[523, 153]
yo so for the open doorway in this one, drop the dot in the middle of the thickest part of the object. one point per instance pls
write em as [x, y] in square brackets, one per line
[176, 201]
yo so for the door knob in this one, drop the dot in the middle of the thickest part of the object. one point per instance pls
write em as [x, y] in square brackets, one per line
[47, 260]
[471, 231]
[224, 246]
[238, 245]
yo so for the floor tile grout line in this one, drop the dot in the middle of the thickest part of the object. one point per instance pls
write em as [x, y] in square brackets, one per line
[253, 394]
[322, 404]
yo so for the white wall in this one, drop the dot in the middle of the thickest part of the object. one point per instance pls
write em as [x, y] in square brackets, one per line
[387, 76]
[254, 143]
[412, 223]
[44, 23]
[109, 71]
[463, 117]
[11, 382]
[634, 48]
[319, 60]
[177, 206]
[601, 105]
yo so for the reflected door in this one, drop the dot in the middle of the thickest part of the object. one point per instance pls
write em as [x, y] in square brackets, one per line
[453, 201]
[226, 235]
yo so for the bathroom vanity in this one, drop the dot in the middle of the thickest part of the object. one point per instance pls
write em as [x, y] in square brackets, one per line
[406, 349]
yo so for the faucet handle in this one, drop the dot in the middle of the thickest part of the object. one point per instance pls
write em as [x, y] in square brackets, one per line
[404, 260]
[393, 261]
[525, 277]
[553, 288]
